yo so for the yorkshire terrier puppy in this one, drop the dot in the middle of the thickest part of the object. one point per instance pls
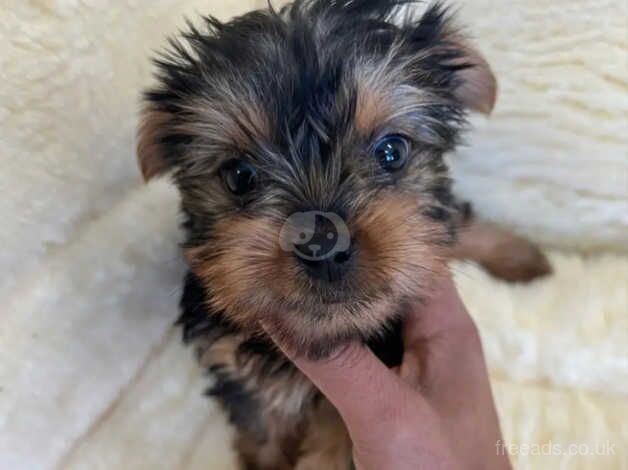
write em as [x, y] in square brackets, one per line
[307, 145]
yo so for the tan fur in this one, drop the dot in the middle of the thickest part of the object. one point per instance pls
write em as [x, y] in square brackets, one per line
[377, 84]
[326, 444]
[379, 108]
[315, 439]
[279, 450]
[398, 258]
[298, 433]
[372, 109]
[150, 156]
[503, 254]
[478, 89]
[397, 245]
[236, 129]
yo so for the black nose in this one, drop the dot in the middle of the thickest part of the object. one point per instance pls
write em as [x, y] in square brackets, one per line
[331, 268]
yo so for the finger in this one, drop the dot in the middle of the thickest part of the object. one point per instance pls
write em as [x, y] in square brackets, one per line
[410, 369]
[358, 384]
[443, 338]
[443, 312]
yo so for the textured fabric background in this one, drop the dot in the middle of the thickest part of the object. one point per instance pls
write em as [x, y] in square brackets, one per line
[92, 375]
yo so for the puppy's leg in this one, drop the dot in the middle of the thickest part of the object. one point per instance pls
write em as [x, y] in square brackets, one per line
[317, 441]
[326, 444]
[277, 450]
[266, 399]
[502, 253]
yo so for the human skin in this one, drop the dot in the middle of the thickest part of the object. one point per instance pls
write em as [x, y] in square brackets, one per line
[436, 411]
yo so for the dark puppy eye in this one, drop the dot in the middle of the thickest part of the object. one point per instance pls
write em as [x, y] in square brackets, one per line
[239, 176]
[392, 152]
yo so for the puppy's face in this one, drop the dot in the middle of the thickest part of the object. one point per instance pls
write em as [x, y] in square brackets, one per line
[307, 145]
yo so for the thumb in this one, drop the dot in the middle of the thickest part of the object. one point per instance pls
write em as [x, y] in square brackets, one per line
[355, 381]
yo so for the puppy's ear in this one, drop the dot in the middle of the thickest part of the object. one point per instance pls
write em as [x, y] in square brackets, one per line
[454, 63]
[476, 86]
[151, 151]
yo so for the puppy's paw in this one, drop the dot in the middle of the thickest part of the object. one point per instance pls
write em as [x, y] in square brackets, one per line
[503, 254]
[517, 260]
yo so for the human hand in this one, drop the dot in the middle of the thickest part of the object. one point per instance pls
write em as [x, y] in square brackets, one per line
[434, 412]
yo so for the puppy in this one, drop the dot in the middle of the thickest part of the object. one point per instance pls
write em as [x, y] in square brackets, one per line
[307, 145]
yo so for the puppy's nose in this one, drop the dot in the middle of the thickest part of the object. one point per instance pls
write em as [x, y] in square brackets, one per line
[331, 268]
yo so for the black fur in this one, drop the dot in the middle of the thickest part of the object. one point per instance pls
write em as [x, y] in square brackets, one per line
[241, 405]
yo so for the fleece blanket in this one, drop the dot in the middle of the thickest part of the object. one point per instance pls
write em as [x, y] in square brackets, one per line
[92, 372]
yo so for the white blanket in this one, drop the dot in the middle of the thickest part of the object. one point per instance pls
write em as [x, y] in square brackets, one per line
[92, 374]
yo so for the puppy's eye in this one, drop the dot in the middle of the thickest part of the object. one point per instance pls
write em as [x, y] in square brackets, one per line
[239, 176]
[392, 152]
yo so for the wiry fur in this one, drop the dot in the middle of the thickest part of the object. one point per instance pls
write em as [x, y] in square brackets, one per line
[303, 94]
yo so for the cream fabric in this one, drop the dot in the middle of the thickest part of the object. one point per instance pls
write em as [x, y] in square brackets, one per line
[92, 374]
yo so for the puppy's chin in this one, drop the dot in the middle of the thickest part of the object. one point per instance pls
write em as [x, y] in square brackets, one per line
[316, 332]
[315, 323]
